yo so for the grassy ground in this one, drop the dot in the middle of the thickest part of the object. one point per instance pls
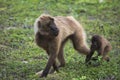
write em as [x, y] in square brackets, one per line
[20, 58]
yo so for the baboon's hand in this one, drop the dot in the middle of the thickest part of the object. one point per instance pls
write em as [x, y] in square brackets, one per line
[44, 74]
[88, 57]
[40, 73]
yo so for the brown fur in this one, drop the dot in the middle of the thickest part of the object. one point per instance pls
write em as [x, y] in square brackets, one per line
[101, 45]
[53, 40]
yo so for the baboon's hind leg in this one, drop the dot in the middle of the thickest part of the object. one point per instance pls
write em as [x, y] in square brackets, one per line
[61, 57]
[79, 43]
[105, 55]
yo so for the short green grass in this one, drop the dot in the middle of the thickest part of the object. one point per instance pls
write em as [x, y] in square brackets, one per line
[20, 58]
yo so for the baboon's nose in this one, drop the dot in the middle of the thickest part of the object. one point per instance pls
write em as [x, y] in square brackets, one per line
[55, 31]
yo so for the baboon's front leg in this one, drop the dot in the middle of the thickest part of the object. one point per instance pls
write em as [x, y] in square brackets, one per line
[51, 60]
[55, 67]
[53, 52]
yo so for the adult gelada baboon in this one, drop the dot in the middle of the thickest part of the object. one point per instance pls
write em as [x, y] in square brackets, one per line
[51, 33]
[101, 45]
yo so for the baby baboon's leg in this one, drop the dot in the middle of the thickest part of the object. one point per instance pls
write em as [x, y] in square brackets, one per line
[79, 43]
[105, 54]
[61, 57]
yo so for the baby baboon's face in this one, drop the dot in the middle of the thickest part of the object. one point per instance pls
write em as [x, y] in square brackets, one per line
[48, 27]
[95, 43]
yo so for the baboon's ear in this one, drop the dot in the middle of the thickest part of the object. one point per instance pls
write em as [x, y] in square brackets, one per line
[39, 24]
[51, 19]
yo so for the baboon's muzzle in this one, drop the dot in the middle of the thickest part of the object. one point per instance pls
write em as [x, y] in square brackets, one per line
[55, 31]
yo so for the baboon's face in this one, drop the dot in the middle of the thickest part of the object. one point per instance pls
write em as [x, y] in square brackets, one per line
[48, 28]
[95, 43]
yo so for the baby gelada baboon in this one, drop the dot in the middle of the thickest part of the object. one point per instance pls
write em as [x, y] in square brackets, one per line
[101, 45]
[51, 33]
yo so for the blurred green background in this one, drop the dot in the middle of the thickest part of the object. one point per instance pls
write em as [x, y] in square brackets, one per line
[20, 58]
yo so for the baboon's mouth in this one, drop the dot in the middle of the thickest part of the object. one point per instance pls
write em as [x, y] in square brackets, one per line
[56, 33]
